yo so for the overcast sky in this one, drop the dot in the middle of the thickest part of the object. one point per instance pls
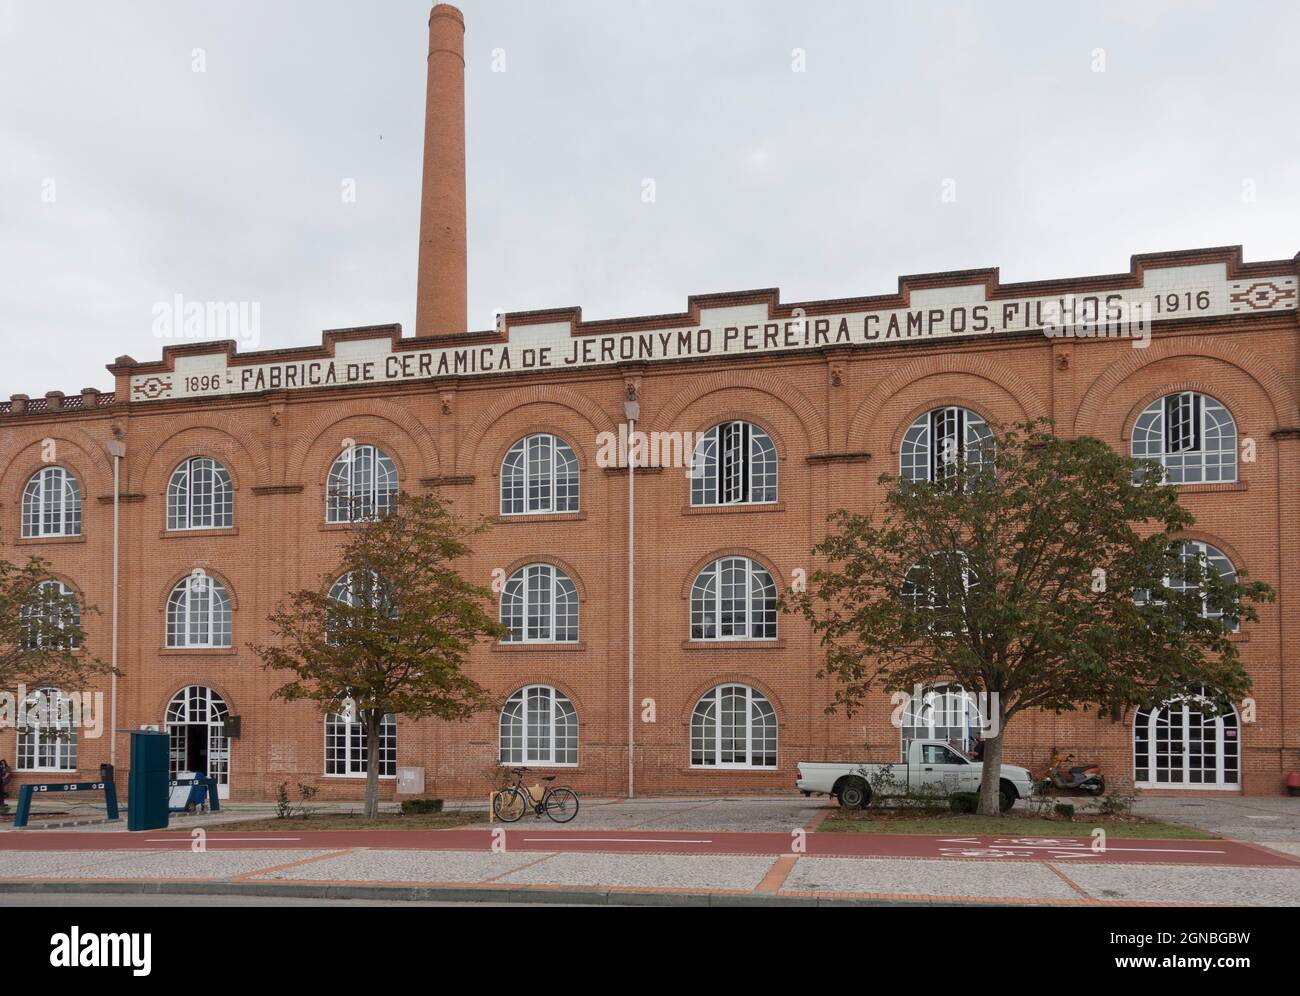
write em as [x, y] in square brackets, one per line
[127, 177]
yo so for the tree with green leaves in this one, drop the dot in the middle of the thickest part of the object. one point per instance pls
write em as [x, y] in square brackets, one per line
[42, 642]
[392, 635]
[1037, 573]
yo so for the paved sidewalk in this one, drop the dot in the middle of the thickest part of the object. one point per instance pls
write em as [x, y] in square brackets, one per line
[597, 876]
[440, 865]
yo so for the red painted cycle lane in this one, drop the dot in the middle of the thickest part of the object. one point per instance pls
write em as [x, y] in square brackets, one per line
[1079, 850]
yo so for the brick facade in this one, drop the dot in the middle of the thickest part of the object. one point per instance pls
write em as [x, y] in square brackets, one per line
[836, 415]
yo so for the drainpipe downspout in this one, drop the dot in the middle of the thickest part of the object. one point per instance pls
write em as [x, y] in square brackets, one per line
[117, 450]
[631, 411]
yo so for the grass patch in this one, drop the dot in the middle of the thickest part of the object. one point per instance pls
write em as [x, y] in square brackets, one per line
[355, 821]
[1012, 824]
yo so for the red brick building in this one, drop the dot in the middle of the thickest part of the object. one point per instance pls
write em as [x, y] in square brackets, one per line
[239, 466]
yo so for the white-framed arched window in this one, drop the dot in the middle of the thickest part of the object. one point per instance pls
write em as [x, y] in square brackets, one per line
[346, 742]
[539, 726]
[200, 496]
[944, 712]
[538, 475]
[734, 598]
[358, 589]
[362, 485]
[1210, 558]
[936, 441]
[1178, 744]
[1198, 559]
[930, 586]
[733, 726]
[734, 463]
[539, 604]
[52, 504]
[53, 606]
[47, 733]
[198, 612]
[1191, 435]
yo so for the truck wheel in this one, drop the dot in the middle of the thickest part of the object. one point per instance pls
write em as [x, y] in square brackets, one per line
[1006, 796]
[854, 793]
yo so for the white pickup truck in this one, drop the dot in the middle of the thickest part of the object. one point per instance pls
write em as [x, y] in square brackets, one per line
[929, 762]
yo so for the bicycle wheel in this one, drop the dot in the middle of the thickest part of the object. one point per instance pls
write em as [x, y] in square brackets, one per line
[561, 804]
[509, 805]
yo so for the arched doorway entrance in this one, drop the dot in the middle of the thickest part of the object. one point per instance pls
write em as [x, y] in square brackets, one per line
[1177, 745]
[195, 718]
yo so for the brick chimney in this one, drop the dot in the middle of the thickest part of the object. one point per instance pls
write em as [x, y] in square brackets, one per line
[440, 307]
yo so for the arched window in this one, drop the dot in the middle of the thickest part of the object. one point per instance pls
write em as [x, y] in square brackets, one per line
[935, 442]
[357, 590]
[362, 485]
[47, 732]
[199, 496]
[944, 712]
[733, 599]
[52, 504]
[52, 607]
[937, 588]
[196, 718]
[538, 475]
[539, 726]
[1191, 435]
[1198, 560]
[1209, 558]
[1178, 745]
[198, 613]
[733, 726]
[734, 464]
[539, 604]
[346, 742]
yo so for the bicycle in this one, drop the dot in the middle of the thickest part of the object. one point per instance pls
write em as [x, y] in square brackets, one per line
[558, 802]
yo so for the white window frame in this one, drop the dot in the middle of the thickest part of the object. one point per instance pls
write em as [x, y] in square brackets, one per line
[353, 746]
[701, 735]
[52, 505]
[734, 463]
[539, 476]
[519, 600]
[707, 601]
[219, 621]
[919, 457]
[71, 615]
[361, 485]
[532, 735]
[1189, 718]
[933, 717]
[38, 739]
[200, 495]
[199, 705]
[1200, 463]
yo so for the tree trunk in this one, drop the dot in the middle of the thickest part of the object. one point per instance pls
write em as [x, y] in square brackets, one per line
[373, 720]
[991, 779]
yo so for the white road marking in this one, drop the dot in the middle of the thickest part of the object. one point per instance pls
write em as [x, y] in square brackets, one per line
[212, 840]
[612, 840]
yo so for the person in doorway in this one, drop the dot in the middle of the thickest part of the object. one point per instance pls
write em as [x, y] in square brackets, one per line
[4, 781]
[977, 749]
